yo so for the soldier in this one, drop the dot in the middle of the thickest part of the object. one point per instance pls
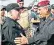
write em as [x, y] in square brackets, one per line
[52, 9]
[20, 3]
[11, 29]
[46, 34]
[24, 18]
[2, 13]
[34, 19]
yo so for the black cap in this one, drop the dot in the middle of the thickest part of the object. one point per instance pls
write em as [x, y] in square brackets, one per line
[52, 6]
[2, 7]
[12, 6]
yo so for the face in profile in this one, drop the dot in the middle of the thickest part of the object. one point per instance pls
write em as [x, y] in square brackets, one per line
[21, 4]
[52, 11]
[2, 11]
[42, 11]
[15, 14]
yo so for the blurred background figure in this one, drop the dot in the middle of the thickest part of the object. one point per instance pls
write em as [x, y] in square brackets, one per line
[2, 13]
[20, 3]
[24, 17]
[52, 9]
[34, 19]
[24, 20]
[35, 8]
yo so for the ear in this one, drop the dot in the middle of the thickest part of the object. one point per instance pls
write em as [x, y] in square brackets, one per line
[46, 8]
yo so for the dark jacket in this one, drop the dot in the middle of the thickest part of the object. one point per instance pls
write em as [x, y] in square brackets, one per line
[10, 30]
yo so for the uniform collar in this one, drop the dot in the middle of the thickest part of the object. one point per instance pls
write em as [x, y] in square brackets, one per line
[10, 19]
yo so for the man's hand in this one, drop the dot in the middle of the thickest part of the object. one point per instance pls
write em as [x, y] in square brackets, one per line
[35, 21]
[21, 40]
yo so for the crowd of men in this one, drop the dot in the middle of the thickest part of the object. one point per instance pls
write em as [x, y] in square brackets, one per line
[32, 25]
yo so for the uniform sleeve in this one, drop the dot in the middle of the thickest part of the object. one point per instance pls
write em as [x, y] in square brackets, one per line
[11, 31]
[51, 28]
[32, 40]
[43, 36]
[38, 38]
[7, 32]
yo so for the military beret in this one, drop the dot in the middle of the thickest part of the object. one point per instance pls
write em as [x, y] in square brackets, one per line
[43, 3]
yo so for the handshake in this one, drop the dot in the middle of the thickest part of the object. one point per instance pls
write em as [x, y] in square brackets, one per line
[21, 40]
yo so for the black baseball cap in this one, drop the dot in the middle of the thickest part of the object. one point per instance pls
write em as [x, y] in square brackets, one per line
[11, 6]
